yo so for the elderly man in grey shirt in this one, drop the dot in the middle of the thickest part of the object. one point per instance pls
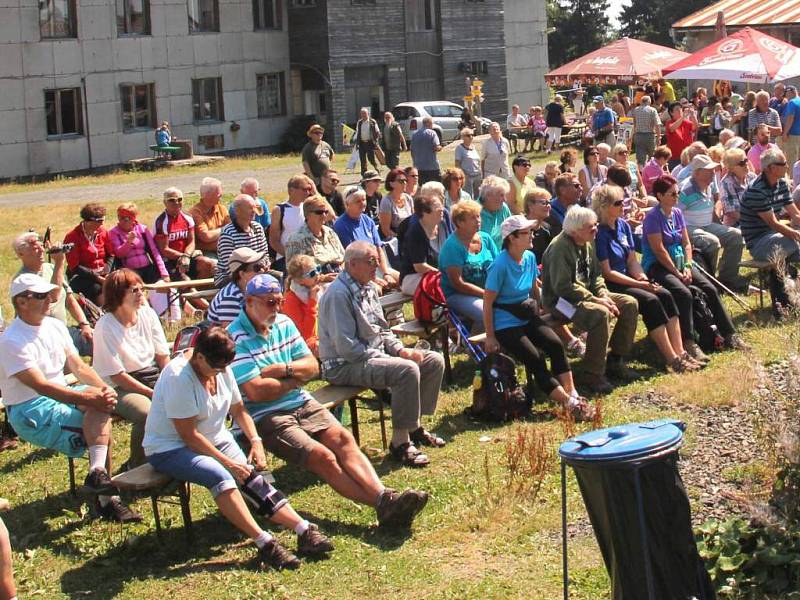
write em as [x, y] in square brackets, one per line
[356, 347]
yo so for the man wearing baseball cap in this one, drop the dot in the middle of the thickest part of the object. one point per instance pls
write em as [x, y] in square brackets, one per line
[243, 264]
[271, 365]
[603, 121]
[40, 405]
[317, 155]
[699, 206]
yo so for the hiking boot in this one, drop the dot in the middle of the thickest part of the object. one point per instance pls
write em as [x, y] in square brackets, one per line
[694, 351]
[398, 510]
[598, 384]
[98, 482]
[117, 511]
[276, 556]
[617, 369]
[735, 342]
[312, 542]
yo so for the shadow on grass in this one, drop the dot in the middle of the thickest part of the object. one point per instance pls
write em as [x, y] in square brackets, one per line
[36, 455]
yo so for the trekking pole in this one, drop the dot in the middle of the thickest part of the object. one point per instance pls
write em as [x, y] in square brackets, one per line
[725, 288]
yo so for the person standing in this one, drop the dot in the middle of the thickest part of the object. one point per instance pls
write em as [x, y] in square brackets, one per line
[646, 130]
[425, 145]
[469, 161]
[554, 119]
[681, 129]
[603, 122]
[394, 142]
[790, 139]
[317, 154]
[762, 113]
[495, 153]
[367, 135]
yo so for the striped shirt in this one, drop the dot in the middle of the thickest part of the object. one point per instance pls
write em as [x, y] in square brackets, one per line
[232, 237]
[254, 351]
[760, 197]
[732, 191]
[770, 116]
[226, 305]
[697, 205]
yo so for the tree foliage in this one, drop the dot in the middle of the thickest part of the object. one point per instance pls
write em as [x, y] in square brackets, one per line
[651, 21]
[580, 27]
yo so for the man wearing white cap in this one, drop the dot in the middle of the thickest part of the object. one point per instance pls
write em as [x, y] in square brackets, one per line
[40, 406]
[698, 207]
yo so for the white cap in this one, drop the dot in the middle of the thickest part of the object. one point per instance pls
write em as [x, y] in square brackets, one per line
[515, 223]
[28, 282]
[703, 161]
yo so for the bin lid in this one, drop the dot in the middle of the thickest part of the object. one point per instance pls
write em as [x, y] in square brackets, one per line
[624, 442]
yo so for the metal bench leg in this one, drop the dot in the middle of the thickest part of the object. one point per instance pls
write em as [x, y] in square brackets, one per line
[351, 402]
[448, 371]
[157, 517]
[71, 469]
[184, 495]
[382, 417]
[762, 278]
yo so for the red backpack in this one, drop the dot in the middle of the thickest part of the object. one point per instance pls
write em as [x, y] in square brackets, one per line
[430, 305]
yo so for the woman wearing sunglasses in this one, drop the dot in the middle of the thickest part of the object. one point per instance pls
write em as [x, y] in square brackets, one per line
[135, 247]
[89, 261]
[317, 240]
[624, 275]
[300, 301]
[733, 185]
[243, 264]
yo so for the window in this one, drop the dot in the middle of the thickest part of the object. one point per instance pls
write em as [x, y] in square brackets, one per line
[304, 3]
[363, 2]
[57, 19]
[63, 111]
[207, 99]
[420, 15]
[203, 15]
[479, 67]
[270, 90]
[429, 14]
[211, 142]
[138, 106]
[266, 14]
[133, 17]
[403, 113]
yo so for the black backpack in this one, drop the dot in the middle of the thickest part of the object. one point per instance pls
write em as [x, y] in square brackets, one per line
[705, 332]
[500, 398]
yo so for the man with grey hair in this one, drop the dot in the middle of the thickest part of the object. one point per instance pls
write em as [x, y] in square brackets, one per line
[367, 134]
[646, 130]
[765, 236]
[357, 347]
[209, 217]
[31, 252]
[242, 231]
[394, 141]
[762, 113]
[251, 187]
[725, 135]
[424, 146]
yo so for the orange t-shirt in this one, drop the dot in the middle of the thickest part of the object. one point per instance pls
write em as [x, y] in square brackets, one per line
[205, 221]
[305, 317]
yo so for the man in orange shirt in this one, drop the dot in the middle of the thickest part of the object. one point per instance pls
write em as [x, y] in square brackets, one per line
[209, 217]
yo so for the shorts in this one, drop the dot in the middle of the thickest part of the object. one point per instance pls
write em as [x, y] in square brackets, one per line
[50, 424]
[290, 434]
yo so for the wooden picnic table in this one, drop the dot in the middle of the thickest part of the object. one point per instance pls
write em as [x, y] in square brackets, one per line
[164, 286]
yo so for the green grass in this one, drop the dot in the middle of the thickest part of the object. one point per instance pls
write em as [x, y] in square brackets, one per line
[475, 539]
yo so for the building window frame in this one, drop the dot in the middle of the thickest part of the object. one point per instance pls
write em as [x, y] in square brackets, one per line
[263, 80]
[478, 67]
[131, 91]
[54, 100]
[67, 27]
[206, 21]
[201, 88]
[303, 3]
[267, 15]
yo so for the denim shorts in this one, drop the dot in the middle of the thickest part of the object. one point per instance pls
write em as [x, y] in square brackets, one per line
[187, 465]
[50, 424]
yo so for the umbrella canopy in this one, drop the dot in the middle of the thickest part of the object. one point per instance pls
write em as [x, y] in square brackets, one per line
[747, 55]
[622, 61]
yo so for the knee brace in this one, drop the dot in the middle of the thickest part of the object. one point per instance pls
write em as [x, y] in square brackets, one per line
[265, 498]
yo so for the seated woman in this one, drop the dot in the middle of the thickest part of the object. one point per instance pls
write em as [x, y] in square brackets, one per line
[511, 281]
[300, 305]
[135, 246]
[244, 264]
[733, 185]
[592, 173]
[453, 181]
[568, 161]
[186, 438]
[464, 261]
[656, 167]
[396, 206]
[317, 240]
[421, 247]
[130, 350]
[624, 275]
[637, 190]
[89, 261]
[666, 258]
[619, 177]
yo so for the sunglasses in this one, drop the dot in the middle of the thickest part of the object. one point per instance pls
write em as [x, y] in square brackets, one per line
[413, 176]
[401, 180]
[778, 164]
[272, 302]
[38, 295]
[742, 163]
[96, 219]
[312, 273]
[320, 212]
[625, 152]
[617, 203]
[577, 184]
[175, 200]
[217, 366]
[525, 165]
[594, 154]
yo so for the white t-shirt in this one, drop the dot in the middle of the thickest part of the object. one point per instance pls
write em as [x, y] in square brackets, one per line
[180, 395]
[293, 219]
[118, 348]
[23, 347]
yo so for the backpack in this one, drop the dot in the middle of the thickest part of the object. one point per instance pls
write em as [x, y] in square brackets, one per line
[429, 302]
[500, 398]
[187, 337]
[705, 332]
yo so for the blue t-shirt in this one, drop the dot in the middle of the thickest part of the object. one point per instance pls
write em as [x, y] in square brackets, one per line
[671, 231]
[163, 138]
[492, 221]
[614, 245]
[603, 118]
[423, 154]
[512, 282]
[792, 108]
[474, 267]
[350, 230]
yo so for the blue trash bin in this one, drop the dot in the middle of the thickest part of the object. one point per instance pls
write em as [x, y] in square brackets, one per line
[638, 507]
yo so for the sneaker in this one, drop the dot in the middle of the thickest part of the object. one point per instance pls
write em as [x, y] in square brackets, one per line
[398, 510]
[312, 542]
[694, 351]
[598, 384]
[276, 556]
[576, 348]
[117, 511]
[735, 342]
[98, 482]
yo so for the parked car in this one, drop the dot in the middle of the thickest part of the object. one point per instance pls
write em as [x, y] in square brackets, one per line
[446, 118]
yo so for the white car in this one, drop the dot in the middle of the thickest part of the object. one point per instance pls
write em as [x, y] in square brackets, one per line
[446, 117]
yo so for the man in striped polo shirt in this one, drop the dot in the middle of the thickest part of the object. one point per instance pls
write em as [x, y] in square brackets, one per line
[242, 231]
[271, 365]
[766, 237]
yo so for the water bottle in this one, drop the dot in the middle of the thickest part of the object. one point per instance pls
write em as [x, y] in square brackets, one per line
[477, 381]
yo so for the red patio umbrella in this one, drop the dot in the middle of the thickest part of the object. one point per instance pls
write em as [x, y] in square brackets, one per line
[621, 62]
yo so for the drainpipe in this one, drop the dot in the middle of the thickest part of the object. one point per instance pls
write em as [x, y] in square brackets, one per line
[86, 122]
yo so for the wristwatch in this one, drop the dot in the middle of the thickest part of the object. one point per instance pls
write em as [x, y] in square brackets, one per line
[289, 370]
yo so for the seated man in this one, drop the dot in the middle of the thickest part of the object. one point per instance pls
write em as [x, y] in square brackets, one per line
[41, 407]
[356, 347]
[243, 231]
[30, 251]
[174, 232]
[272, 362]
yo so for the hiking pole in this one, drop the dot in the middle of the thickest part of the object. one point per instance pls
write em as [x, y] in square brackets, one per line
[725, 288]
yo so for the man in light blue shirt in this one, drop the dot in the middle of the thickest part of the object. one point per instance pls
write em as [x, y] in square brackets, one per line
[424, 146]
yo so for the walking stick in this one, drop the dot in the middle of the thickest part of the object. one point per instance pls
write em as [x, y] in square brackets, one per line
[725, 288]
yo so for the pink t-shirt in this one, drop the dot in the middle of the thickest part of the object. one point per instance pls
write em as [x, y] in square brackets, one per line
[754, 155]
[651, 171]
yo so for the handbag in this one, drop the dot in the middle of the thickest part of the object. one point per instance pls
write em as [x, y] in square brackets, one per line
[147, 376]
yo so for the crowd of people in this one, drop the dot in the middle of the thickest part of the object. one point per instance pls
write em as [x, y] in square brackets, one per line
[548, 266]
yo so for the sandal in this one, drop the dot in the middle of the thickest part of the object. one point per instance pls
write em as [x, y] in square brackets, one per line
[580, 409]
[423, 437]
[408, 455]
[683, 365]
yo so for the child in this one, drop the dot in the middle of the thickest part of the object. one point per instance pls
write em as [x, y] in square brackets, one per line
[303, 288]
[538, 127]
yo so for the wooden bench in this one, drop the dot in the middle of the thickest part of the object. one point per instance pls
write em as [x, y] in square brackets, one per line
[333, 396]
[418, 329]
[548, 318]
[200, 294]
[762, 267]
[165, 151]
